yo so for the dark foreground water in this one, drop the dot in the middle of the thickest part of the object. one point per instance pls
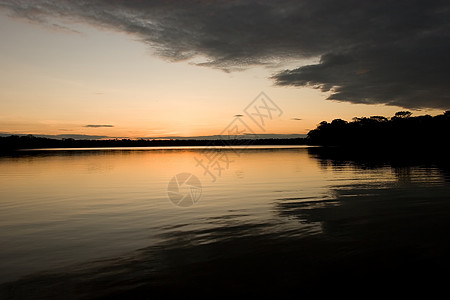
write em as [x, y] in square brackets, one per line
[99, 224]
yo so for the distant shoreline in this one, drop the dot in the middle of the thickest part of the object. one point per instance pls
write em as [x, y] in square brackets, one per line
[15, 143]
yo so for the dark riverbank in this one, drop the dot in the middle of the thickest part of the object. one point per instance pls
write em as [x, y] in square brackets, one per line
[402, 130]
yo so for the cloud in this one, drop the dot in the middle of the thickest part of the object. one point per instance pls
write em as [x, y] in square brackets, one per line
[296, 119]
[238, 116]
[409, 75]
[96, 126]
[390, 52]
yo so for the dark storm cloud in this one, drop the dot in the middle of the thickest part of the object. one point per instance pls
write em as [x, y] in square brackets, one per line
[392, 52]
[97, 126]
[413, 77]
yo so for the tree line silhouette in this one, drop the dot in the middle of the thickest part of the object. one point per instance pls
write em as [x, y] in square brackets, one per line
[400, 130]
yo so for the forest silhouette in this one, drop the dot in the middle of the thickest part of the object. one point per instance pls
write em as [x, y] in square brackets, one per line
[400, 130]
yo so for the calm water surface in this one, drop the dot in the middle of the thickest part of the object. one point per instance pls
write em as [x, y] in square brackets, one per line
[100, 221]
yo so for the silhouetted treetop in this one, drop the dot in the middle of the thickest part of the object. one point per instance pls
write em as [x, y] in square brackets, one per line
[403, 114]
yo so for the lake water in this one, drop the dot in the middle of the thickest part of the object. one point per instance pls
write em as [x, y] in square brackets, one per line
[91, 223]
